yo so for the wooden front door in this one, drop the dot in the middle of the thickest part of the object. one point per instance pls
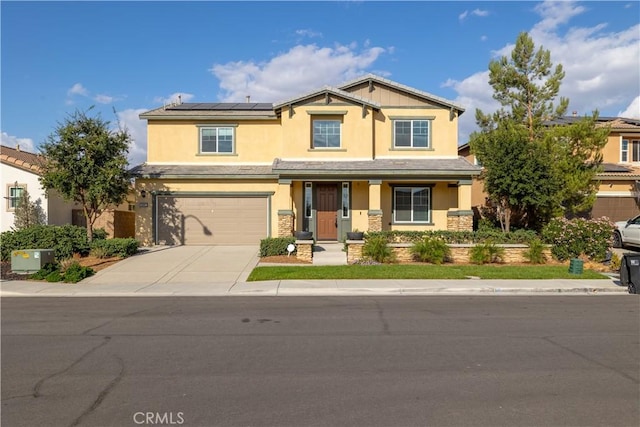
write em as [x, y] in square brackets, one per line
[327, 211]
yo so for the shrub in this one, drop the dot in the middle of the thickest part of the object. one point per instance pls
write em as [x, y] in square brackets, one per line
[274, 246]
[572, 238]
[615, 262]
[484, 253]
[377, 248]
[535, 253]
[114, 247]
[433, 250]
[54, 276]
[65, 240]
[483, 235]
[75, 273]
[100, 234]
[46, 269]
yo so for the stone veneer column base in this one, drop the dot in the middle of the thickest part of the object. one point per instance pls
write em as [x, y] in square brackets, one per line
[304, 250]
[375, 221]
[285, 223]
[460, 220]
[354, 250]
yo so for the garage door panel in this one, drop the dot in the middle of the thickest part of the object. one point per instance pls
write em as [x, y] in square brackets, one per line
[212, 220]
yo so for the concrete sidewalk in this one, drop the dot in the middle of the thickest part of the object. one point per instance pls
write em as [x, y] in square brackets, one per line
[315, 288]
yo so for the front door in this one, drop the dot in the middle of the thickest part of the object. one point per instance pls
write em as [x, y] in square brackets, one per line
[327, 211]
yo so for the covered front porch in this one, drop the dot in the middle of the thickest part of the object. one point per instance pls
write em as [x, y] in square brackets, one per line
[330, 199]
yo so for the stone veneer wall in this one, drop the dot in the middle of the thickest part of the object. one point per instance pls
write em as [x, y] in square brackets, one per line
[285, 224]
[460, 222]
[513, 253]
[304, 250]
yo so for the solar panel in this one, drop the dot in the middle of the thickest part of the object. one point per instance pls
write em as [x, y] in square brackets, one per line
[222, 106]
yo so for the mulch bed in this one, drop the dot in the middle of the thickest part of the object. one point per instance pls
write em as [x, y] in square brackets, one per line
[89, 261]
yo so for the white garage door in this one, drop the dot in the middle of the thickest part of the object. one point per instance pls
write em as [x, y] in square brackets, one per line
[211, 220]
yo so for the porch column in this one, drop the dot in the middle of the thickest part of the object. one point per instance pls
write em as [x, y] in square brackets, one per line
[284, 202]
[375, 210]
[461, 219]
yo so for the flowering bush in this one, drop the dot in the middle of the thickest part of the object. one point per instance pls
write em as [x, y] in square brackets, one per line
[572, 238]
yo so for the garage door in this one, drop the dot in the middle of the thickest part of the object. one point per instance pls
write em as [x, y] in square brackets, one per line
[616, 208]
[211, 220]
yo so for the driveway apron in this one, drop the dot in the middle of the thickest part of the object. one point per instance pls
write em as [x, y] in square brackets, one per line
[181, 264]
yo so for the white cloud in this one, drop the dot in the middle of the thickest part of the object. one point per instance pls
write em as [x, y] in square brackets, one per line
[601, 68]
[104, 99]
[174, 97]
[633, 110]
[308, 33]
[26, 144]
[137, 128]
[78, 89]
[475, 12]
[293, 72]
[483, 38]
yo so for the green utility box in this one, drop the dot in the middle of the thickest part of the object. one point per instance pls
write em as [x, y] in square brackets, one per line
[30, 260]
[576, 266]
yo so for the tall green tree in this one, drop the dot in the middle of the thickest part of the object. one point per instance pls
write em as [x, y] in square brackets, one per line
[527, 84]
[28, 213]
[86, 162]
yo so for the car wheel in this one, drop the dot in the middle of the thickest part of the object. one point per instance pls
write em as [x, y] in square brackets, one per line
[617, 240]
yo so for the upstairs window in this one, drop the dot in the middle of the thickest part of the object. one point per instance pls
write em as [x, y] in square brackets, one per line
[327, 134]
[411, 134]
[630, 151]
[215, 140]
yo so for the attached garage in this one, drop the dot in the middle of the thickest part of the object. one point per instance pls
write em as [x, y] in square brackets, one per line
[615, 208]
[204, 220]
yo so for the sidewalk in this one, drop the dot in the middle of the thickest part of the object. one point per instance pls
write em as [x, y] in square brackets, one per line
[316, 288]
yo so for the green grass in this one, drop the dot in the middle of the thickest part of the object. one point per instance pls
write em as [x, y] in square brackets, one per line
[417, 272]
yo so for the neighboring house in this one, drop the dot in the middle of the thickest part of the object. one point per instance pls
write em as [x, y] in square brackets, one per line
[619, 191]
[20, 172]
[371, 154]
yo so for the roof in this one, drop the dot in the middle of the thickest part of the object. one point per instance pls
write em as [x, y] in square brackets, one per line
[419, 93]
[248, 110]
[616, 123]
[203, 171]
[20, 159]
[418, 168]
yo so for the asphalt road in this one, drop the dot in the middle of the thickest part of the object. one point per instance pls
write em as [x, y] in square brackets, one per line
[340, 361]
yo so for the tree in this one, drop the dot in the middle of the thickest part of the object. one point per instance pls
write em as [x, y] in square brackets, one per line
[567, 156]
[28, 213]
[86, 162]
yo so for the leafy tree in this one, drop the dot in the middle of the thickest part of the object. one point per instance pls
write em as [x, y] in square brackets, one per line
[86, 162]
[28, 213]
[534, 171]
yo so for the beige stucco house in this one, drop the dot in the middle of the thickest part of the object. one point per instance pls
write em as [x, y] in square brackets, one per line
[619, 182]
[371, 154]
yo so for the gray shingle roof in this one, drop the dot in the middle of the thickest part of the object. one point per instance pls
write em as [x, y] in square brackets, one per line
[203, 171]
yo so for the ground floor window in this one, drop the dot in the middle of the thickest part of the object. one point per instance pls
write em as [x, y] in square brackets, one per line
[412, 204]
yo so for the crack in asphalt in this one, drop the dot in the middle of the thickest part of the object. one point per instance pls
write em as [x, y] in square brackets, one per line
[385, 324]
[102, 395]
[120, 317]
[38, 386]
[582, 356]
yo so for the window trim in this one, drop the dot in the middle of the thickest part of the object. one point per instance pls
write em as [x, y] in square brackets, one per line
[217, 126]
[325, 119]
[626, 155]
[23, 187]
[396, 119]
[413, 187]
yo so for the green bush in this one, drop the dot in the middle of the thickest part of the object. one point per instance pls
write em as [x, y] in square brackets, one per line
[484, 253]
[46, 269]
[572, 238]
[432, 250]
[75, 273]
[65, 240]
[535, 253]
[377, 248]
[100, 234]
[54, 276]
[274, 246]
[483, 235]
[114, 247]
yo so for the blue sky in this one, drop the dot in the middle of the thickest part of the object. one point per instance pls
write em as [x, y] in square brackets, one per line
[133, 56]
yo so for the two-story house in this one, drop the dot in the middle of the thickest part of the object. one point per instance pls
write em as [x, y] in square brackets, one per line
[618, 195]
[371, 154]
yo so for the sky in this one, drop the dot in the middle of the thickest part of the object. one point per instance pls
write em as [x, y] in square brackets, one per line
[124, 58]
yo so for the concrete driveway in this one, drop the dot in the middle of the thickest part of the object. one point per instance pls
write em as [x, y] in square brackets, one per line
[181, 264]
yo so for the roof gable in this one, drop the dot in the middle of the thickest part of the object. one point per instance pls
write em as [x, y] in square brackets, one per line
[21, 159]
[326, 91]
[372, 80]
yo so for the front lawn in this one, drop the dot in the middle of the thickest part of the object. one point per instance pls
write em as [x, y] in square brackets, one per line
[413, 271]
